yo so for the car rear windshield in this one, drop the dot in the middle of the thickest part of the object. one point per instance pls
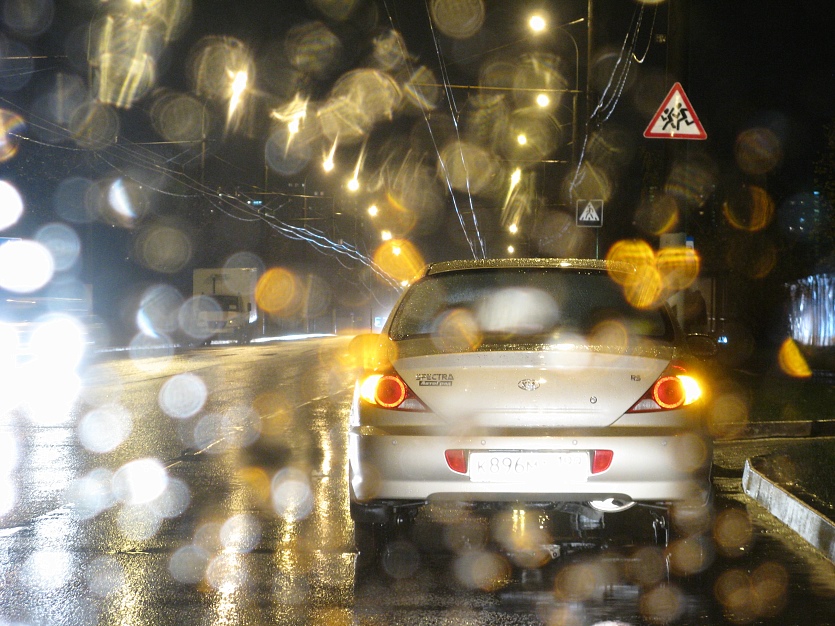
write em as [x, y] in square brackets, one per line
[517, 303]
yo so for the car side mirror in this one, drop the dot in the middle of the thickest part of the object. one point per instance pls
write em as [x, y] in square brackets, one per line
[702, 346]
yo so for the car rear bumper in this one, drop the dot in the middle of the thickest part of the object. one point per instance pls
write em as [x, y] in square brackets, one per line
[663, 466]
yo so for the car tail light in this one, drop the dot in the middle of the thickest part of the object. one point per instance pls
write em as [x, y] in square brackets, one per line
[601, 460]
[673, 389]
[389, 391]
[456, 460]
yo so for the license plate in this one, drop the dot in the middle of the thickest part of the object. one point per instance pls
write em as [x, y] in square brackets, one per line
[507, 467]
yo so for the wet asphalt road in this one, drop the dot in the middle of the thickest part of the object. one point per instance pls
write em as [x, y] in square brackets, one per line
[222, 499]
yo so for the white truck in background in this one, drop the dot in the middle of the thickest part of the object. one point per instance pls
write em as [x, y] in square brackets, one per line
[233, 291]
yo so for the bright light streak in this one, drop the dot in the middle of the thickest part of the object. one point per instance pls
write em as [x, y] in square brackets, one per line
[239, 82]
[354, 183]
[515, 178]
[328, 163]
[537, 23]
[296, 109]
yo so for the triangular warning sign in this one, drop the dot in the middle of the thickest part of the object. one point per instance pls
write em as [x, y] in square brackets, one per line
[589, 214]
[675, 118]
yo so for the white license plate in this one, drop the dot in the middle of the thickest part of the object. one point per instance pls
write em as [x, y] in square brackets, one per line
[506, 467]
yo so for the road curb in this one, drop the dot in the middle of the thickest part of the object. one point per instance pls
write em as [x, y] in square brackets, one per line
[800, 517]
[761, 430]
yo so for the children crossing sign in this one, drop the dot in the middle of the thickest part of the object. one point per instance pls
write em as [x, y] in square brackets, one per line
[590, 213]
[675, 118]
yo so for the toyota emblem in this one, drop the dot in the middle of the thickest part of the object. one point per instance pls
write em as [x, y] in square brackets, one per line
[528, 384]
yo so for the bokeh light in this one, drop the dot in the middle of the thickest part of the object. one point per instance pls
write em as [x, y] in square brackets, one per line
[62, 242]
[188, 564]
[104, 576]
[47, 570]
[663, 604]
[458, 19]
[400, 259]
[467, 167]
[750, 208]
[292, 496]
[11, 125]
[517, 311]
[183, 396]
[727, 413]
[733, 532]
[11, 205]
[234, 429]
[792, 361]
[91, 493]
[158, 310]
[28, 18]
[657, 275]
[164, 248]
[105, 428]
[481, 569]
[213, 62]
[181, 117]
[240, 533]
[313, 49]
[657, 215]
[457, 331]
[279, 292]
[140, 481]
[194, 316]
[123, 202]
[359, 100]
[73, 200]
[95, 125]
[758, 151]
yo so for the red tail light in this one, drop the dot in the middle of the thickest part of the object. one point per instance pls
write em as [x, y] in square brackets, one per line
[456, 460]
[601, 460]
[673, 389]
[389, 391]
[668, 392]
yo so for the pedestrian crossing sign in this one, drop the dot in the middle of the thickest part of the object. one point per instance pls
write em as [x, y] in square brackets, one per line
[675, 118]
[590, 213]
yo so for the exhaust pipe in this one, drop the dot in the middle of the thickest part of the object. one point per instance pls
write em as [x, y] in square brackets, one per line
[611, 505]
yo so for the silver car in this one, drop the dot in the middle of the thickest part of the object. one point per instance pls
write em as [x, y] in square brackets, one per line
[526, 382]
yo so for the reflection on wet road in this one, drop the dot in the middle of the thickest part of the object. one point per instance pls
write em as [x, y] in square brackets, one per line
[211, 488]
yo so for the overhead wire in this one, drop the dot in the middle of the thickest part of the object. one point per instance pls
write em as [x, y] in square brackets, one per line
[613, 91]
[441, 163]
